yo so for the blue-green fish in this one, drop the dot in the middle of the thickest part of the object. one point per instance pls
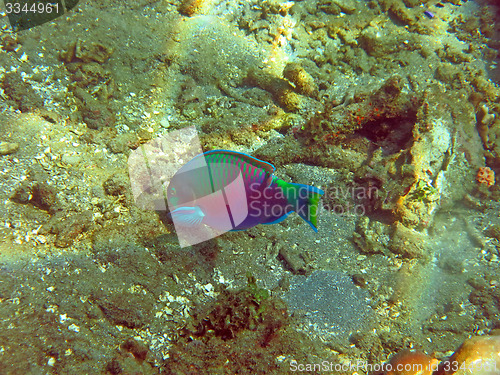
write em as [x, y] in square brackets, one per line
[229, 190]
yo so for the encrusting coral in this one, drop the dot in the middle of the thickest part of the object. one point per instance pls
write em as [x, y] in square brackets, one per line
[485, 176]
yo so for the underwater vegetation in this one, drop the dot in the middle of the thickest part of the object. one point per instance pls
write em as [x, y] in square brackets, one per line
[247, 325]
[234, 311]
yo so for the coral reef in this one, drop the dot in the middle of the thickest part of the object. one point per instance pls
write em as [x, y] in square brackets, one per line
[286, 95]
[304, 83]
[485, 176]
[92, 85]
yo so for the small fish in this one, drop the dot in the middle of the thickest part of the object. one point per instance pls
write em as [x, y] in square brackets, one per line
[229, 190]
[429, 14]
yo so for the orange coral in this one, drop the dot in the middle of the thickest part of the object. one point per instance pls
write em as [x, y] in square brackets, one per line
[486, 176]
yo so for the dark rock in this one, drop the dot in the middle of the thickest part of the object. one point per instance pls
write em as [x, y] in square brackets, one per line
[293, 260]
[68, 236]
[86, 52]
[23, 193]
[412, 3]
[67, 226]
[114, 367]
[9, 42]
[485, 297]
[44, 196]
[123, 142]
[95, 114]
[359, 280]
[137, 349]
[329, 7]
[39, 194]
[493, 231]
[123, 309]
[116, 185]
[20, 94]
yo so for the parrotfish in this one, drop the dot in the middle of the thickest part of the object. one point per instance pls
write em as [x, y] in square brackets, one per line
[229, 190]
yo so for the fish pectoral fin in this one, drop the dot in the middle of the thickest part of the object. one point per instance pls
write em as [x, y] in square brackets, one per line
[187, 216]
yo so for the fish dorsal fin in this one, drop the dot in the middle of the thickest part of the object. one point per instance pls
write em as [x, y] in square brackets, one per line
[268, 167]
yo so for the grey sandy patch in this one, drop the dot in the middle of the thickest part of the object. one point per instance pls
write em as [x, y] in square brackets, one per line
[329, 303]
[212, 51]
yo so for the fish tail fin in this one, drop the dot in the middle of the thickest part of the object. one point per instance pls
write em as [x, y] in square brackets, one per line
[305, 199]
